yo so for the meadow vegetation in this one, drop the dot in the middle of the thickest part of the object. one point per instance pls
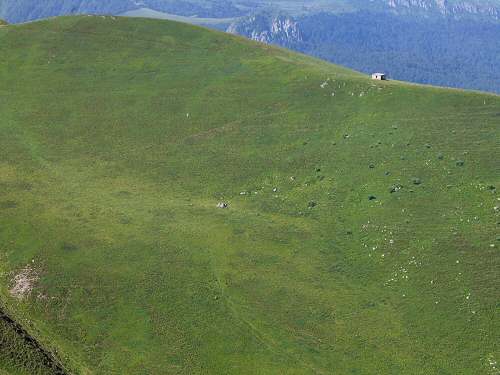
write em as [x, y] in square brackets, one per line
[360, 237]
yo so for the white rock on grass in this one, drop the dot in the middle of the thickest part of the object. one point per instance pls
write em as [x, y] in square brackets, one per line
[24, 282]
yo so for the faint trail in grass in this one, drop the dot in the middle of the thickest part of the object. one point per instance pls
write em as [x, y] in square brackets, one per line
[261, 337]
[231, 124]
[268, 342]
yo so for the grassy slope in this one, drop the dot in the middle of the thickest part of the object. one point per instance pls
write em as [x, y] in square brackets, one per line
[119, 136]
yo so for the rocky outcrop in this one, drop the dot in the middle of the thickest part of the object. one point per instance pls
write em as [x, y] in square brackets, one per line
[455, 9]
[280, 29]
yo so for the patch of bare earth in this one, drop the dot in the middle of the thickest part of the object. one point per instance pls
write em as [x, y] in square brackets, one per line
[24, 282]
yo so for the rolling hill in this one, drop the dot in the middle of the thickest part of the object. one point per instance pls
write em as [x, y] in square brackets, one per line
[450, 43]
[360, 234]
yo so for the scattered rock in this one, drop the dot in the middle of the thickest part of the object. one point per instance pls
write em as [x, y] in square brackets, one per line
[460, 163]
[416, 181]
[440, 156]
[222, 205]
[311, 204]
[24, 282]
[395, 188]
[372, 197]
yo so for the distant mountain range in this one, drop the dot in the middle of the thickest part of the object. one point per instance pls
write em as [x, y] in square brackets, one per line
[24, 10]
[443, 42]
[455, 8]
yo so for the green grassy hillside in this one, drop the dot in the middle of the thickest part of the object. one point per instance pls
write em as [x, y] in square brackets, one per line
[361, 235]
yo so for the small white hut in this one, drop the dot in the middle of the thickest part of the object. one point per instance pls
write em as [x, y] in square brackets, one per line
[379, 76]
